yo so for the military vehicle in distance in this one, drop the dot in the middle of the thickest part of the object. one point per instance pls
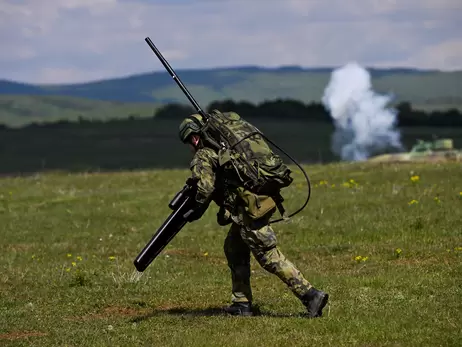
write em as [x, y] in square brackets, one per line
[440, 150]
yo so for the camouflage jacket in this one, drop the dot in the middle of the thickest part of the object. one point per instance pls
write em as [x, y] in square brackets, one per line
[222, 184]
[212, 185]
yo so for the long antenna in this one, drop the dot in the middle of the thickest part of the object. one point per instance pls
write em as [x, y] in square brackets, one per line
[176, 78]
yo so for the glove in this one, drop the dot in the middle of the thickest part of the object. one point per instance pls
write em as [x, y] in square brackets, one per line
[192, 181]
[223, 217]
[195, 213]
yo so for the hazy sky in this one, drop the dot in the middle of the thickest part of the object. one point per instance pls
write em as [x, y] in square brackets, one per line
[65, 41]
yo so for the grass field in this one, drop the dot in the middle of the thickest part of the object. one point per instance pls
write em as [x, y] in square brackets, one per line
[387, 248]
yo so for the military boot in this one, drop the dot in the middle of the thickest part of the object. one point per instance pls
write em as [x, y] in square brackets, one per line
[314, 301]
[239, 309]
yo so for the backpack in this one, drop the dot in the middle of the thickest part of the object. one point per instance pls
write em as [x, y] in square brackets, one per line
[242, 149]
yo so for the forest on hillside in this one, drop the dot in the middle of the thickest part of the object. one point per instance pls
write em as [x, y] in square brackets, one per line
[139, 142]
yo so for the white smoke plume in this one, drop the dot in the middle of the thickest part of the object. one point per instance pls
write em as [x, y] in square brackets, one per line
[363, 124]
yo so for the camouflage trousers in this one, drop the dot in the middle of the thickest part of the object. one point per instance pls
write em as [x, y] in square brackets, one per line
[258, 238]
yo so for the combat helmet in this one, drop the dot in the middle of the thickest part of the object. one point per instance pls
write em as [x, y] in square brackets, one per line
[195, 124]
[191, 125]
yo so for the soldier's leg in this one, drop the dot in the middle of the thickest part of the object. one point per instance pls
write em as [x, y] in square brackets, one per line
[262, 241]
[238, 256]
[263, 244]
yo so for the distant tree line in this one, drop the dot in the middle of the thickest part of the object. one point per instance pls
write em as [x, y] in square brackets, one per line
[278, 109]
[314, 112]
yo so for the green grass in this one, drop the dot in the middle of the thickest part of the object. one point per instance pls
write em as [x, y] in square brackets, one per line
[49, 220]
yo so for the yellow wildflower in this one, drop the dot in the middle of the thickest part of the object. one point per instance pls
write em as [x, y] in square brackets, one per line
[458, 249]
[74, 263]
[437, 200]
[69, 255]
[360, 258]
[415, 178]
[413, 202]
[111, 257]
[79, 258]
[206, 254]
[322, 182]
[350, 184]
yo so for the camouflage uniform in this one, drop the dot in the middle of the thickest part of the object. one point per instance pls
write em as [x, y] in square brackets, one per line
[246, 235]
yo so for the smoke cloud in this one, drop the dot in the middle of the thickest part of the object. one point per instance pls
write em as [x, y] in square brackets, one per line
[364, 126]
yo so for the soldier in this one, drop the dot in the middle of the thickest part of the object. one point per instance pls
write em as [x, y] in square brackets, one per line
[246, 235]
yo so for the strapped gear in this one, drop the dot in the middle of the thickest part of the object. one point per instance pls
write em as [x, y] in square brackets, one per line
[241, 147]
[243, 153]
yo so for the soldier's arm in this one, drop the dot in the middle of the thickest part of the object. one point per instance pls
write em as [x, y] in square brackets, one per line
[202, 168]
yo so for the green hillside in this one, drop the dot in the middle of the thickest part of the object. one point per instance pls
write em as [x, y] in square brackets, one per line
[141, 95]
[425, 89]
[18, 110]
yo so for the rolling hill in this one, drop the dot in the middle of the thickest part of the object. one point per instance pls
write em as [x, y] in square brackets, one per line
[18, 110]
[253, 84]
[425, 89]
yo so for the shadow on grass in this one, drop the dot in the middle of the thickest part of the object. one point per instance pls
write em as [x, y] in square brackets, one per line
[207, 312]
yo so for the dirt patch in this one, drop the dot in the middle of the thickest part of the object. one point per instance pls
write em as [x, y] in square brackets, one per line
[121, 311]
[21, 335]
[20, 247]
[111, 311]
[165, 307]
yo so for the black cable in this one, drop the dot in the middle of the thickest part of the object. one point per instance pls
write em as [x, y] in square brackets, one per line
[304, 173]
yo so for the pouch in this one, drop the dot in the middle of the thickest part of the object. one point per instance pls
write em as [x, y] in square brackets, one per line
[255, 205]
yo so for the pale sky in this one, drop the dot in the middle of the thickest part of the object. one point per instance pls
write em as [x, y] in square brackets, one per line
[68, 41]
